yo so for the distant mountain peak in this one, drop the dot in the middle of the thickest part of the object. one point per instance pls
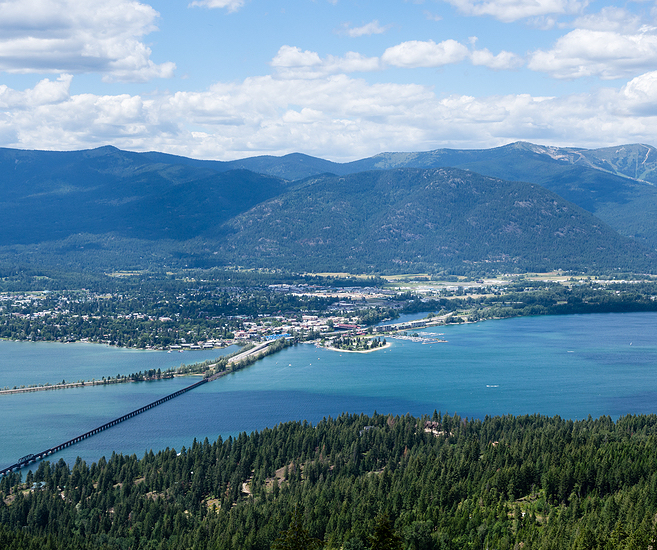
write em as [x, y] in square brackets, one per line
[104, 149]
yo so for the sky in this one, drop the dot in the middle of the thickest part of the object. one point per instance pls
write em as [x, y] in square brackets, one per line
[337, 79]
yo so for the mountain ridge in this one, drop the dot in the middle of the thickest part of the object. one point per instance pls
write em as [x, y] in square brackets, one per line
[598, 180]
[135, 209]
[424, 218]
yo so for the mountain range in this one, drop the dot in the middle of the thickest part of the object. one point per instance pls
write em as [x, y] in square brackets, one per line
[521, 206]
[617, 184]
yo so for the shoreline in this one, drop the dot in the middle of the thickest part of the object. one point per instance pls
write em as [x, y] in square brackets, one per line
[86, 383]
[132, 348]
[237, 356]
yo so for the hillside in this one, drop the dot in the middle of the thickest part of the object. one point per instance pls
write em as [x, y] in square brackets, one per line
[614, 183]
[413, 219]
[600, 181]
[106, 209]
[51, 196]
[636, 161]
[294, 166]
[434, 483]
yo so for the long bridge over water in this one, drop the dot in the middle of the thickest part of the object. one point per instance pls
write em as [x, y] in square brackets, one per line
[26, 460]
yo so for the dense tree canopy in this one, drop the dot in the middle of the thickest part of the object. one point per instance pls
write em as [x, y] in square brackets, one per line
[442, 482]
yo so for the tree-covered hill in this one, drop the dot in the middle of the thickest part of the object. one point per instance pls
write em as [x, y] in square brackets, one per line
[107, 210]
[634, 161]
[414, 219]
[357, 482]
[614, 183]
[50, 196]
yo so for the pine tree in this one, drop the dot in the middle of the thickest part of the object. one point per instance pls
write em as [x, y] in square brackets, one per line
[384, 536]
[296, 537]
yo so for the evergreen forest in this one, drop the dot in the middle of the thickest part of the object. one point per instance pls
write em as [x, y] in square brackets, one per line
[357, 482]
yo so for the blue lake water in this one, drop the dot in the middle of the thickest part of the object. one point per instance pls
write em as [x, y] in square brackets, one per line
[24, 363]
[572, 366]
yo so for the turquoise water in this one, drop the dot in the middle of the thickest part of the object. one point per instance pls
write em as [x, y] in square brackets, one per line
[572, 366]
[25, 363]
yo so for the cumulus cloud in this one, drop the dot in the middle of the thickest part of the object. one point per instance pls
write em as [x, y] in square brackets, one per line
[336, 117]
[101, 36]
[610, 18]
[46, 92]
[415, 53]
[639, 95]
[501, 61]
[513, 10]
[604, 54]
[291, 62]
[291, 56]
[230, 5]
[366, 30]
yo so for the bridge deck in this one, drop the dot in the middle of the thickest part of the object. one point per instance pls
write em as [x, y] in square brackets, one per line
[24, 461]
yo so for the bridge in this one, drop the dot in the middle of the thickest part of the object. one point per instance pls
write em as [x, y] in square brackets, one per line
[27, 459]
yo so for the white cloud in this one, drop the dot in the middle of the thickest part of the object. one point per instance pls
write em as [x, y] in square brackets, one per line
[416, 53]
[503, 60]
[44, 93]
[366, 30]
[335, 117]
[639, 95]
[291, 56]
[101, 36]
[512, 10]
[230, 5]
[543, 22]
[609, 18]
[352, 62]
[291, 62]
[432, 16]
[604, 54]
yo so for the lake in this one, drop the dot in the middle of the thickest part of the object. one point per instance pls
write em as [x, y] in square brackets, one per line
[25, 363]
[573, 366]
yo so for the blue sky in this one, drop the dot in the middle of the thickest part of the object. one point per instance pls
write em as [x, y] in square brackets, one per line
[339, 79]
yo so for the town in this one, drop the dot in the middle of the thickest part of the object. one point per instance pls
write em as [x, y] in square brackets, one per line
[188, 314]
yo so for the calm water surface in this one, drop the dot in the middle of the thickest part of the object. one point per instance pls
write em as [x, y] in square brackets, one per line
[24, 363]
[572, 366]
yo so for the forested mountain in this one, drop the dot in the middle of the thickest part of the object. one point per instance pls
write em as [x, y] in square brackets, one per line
[107, 209]
[48, 196]
[602, 181]
[413, 218]
[636, 161]
[357, 482]
[614, 183]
